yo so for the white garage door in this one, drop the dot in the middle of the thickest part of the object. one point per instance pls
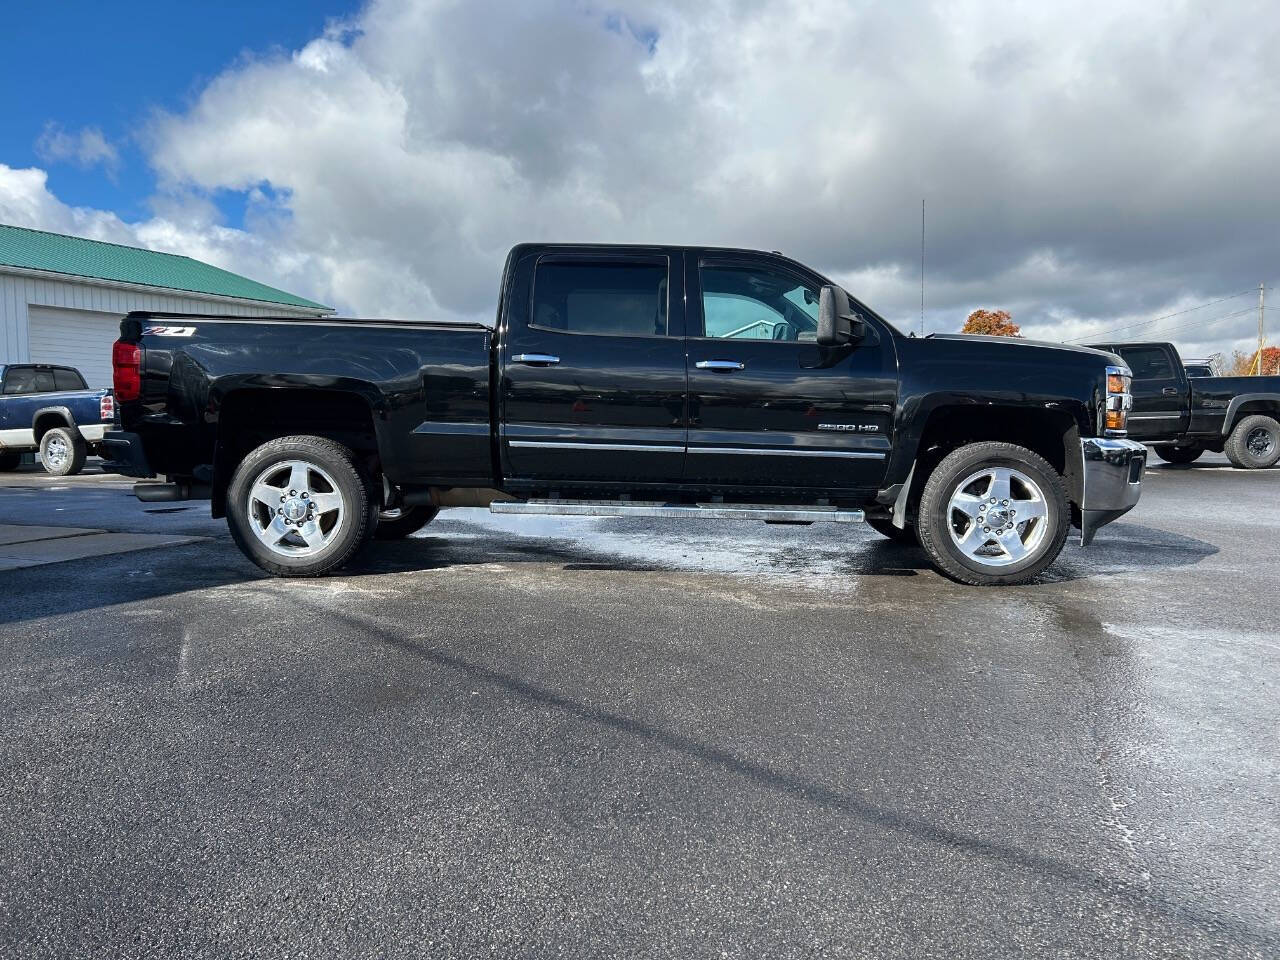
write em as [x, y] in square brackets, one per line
[75, 338]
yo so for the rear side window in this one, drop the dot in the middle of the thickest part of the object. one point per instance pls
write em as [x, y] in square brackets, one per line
[614, 299]
[20, 380]
[68, 380]
[1147, 363]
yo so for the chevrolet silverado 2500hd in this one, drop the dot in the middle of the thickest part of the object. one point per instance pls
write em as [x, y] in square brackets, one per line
[677, 382]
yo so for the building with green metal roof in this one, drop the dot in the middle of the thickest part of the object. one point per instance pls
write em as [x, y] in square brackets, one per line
[62, 297]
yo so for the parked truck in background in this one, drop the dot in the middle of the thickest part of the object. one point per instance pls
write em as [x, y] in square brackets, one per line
[1182, 416]
[50, 409]
[670, 382]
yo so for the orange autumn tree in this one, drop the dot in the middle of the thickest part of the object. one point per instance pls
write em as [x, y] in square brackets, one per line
[1244, 364]
[991, 323]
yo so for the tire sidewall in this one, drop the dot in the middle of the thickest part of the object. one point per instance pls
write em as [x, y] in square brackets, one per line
[357, 505]
[962, 463]
[1240, 442]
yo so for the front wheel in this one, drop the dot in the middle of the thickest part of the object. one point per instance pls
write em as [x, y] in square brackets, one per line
[993, 513]
[397, 523]
[1254, 443]
[299, 507]
[1175, 454]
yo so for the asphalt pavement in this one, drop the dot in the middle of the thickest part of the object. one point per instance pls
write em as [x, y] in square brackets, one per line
[601, 737]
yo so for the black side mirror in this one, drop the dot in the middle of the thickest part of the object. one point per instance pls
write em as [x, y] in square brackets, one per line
[837, 323]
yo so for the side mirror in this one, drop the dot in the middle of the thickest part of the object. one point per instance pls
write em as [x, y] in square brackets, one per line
[837, 323]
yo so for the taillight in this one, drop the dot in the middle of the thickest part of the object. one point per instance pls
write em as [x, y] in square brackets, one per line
[126, 369]
[107, 408]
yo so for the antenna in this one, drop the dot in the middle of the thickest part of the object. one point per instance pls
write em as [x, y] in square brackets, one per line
[922, 266]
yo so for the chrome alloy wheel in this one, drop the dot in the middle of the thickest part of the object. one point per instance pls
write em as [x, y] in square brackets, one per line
[56, 452]
[998, 516]
[295, 508]
[1260, 442]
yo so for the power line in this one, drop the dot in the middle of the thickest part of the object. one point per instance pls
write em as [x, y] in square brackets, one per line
[1143, 323]
[1202, 323]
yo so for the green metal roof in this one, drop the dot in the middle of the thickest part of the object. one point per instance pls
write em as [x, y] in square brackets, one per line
[78, 257]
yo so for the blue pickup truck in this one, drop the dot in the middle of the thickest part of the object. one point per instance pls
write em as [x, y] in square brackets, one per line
[50, 409]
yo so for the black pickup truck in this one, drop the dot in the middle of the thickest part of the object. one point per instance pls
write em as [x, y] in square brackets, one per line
[678, 382]
[1182, 416]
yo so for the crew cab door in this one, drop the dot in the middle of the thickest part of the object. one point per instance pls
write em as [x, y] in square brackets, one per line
[592, 369]
[1161, 394]
[768, 407]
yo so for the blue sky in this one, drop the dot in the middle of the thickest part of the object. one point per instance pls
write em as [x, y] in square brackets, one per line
[110, 65]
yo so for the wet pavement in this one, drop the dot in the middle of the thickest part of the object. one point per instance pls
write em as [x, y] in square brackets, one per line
[604, 737]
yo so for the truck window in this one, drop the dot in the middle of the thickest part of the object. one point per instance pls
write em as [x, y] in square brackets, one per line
[64, 379]
[756, 303]
[601, 297]
[20, 380]
[1147, 363]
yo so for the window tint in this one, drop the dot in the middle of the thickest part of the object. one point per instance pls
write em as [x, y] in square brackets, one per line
[68, 380]
[1147, 363]
[618, 299]
[757, 303]
[20, 380]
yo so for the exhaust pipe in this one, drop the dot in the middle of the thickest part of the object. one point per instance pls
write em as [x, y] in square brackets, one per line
[170, 492]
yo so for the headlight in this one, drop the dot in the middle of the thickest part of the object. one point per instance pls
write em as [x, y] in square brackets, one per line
[1119, 399]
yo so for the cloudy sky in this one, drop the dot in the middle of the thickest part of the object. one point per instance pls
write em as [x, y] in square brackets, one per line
[1087, 166]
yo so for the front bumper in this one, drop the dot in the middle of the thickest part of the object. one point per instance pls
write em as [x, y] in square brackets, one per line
[1111, 477]
[125, 454]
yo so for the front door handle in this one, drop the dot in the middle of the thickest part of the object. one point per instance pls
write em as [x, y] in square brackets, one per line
[1170, 391]
[536, 359]
[724, 366]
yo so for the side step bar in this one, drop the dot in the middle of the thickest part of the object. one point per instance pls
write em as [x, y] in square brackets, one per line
[698, 511]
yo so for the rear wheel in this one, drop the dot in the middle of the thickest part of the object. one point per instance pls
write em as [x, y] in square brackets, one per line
[993, 513]
[885, 527]
[1254, 443]
[62, 451]
[398, 522]
[1188, 453]
[299, 506]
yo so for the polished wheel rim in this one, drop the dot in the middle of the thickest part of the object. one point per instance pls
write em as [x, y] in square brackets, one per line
[998, 516]
[295, 508]
[1260, 442]
[55, 452]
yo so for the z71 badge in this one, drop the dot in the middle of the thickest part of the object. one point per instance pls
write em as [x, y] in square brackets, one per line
[168, 331]
[849, 427]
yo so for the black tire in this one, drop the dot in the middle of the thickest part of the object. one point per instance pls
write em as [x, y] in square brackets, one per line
[1254, 443]
[884, 526]
[398, 524]
[62, 451]
[935, 521]
[328, 464]
[9, 461]
[1169, 453]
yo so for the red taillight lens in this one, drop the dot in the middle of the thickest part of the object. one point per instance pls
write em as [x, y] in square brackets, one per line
[107, 408]
[126, 368]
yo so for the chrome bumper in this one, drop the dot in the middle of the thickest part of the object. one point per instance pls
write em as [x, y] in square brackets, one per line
[1111, 477]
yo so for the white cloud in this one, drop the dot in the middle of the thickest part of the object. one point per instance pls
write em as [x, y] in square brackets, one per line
[87, 148]
[1085, 164]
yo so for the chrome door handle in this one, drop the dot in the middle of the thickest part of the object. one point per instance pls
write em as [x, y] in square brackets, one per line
[537, 359]
[723, 366]
[1170, 391]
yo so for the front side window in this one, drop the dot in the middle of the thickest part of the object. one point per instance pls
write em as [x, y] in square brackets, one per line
[20, 380]
[610, 298]
[756, 303]
[1147, 363]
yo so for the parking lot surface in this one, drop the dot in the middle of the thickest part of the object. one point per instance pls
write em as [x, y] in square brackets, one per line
[594, 737]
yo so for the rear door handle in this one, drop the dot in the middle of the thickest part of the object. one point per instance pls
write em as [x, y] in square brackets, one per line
[536, 359]
[1170, 391]
[724, 366]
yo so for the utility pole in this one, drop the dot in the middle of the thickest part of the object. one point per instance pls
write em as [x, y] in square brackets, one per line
[1261, 311]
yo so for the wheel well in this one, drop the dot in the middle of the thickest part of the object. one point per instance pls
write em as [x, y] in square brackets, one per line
[1053, 434]
[249, 418]
[1270, 407]
[46, 420]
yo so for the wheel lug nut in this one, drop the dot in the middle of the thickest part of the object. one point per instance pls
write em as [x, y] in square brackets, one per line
[986, 529]
[280, 510]
[1004, 503]
[282, 499]
[304, 494]
[293, 493]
